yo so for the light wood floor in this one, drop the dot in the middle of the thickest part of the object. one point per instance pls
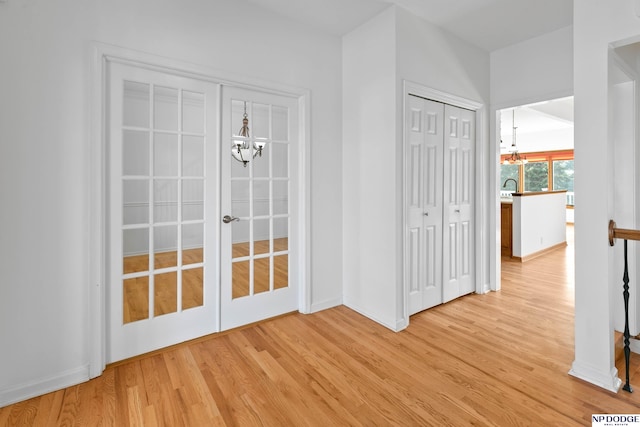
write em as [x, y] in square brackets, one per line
[497, 359]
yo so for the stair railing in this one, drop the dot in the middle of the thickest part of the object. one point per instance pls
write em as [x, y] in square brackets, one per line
[621, 233]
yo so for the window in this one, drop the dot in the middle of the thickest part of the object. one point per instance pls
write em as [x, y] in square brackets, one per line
[536, 176]
[509, 172]
[544, 171]
[563, 178]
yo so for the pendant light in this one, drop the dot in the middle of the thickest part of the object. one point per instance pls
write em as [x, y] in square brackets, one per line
[242, 149]
[515, 157]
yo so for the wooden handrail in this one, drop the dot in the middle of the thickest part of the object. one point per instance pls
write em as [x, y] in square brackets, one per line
[621, 233]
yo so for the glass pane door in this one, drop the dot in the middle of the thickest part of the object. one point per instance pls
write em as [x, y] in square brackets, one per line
[258, 184]
[162, 205]
[260, 201]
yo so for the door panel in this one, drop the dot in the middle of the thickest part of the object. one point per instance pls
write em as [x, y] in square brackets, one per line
[424, 194]
[162, 210]
[259, 187]
[458, 210]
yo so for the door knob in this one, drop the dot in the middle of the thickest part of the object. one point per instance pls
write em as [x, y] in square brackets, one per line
[227, 219]
[458, 210]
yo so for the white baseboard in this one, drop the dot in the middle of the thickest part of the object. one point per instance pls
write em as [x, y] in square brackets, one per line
[393, 324]
[485, 289]
[607, 380]
[634, 345]
[45, 385]
[324, 305]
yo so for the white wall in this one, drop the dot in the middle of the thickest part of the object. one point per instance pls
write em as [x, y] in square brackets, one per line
[596, 25]
[534, 70]
[545, 140]
[431, 57]
[377, 58]
[369, 169]
[45, 140]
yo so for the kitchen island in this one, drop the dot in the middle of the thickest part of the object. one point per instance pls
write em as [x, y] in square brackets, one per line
[538, 223]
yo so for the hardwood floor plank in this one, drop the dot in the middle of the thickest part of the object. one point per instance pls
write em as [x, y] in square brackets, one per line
[49, 406]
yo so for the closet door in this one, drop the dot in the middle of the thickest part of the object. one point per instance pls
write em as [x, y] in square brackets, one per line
[439, 195]
[425, 156]
[457, 245]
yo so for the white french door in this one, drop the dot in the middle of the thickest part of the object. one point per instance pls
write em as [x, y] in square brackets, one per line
[162, 197]
[259, 236]
[439, 197]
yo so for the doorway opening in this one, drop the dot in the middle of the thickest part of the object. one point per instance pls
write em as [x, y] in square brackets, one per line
[536, 159]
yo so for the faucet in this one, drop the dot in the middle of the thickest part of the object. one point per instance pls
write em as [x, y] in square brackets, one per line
[504, 185]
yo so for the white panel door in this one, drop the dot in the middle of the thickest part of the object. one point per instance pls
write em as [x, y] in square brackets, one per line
[259, 275]
[425, 139]
[162, 227]
[459, 137]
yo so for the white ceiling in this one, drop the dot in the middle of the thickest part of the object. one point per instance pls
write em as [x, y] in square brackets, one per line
[541, 126]
[488, 24]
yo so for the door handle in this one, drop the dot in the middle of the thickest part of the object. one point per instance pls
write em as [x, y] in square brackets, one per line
[457, 210]
[227, 219]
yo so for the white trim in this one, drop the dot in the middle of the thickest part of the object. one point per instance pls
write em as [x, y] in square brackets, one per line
[493, 198]
[634, 345]
[480, 199]
[483, 258]
[194, 71]
[96, 331]
[532, 99]
[326, 304]
[44, 385]
[622, 65]
[607, 380]
[104, 53]
[304, 201]
[411, 88]
[393, 324]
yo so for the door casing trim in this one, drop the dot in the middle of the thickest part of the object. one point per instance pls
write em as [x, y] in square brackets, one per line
[482, 258]
[96, 175]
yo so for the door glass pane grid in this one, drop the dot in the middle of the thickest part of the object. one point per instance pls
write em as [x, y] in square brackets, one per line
[249, 196]
[261, 135]
[264, 185]
[161, 269]
[166, 284]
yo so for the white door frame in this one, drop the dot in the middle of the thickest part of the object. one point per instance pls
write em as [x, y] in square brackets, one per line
[97, 175]
[482, 257]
